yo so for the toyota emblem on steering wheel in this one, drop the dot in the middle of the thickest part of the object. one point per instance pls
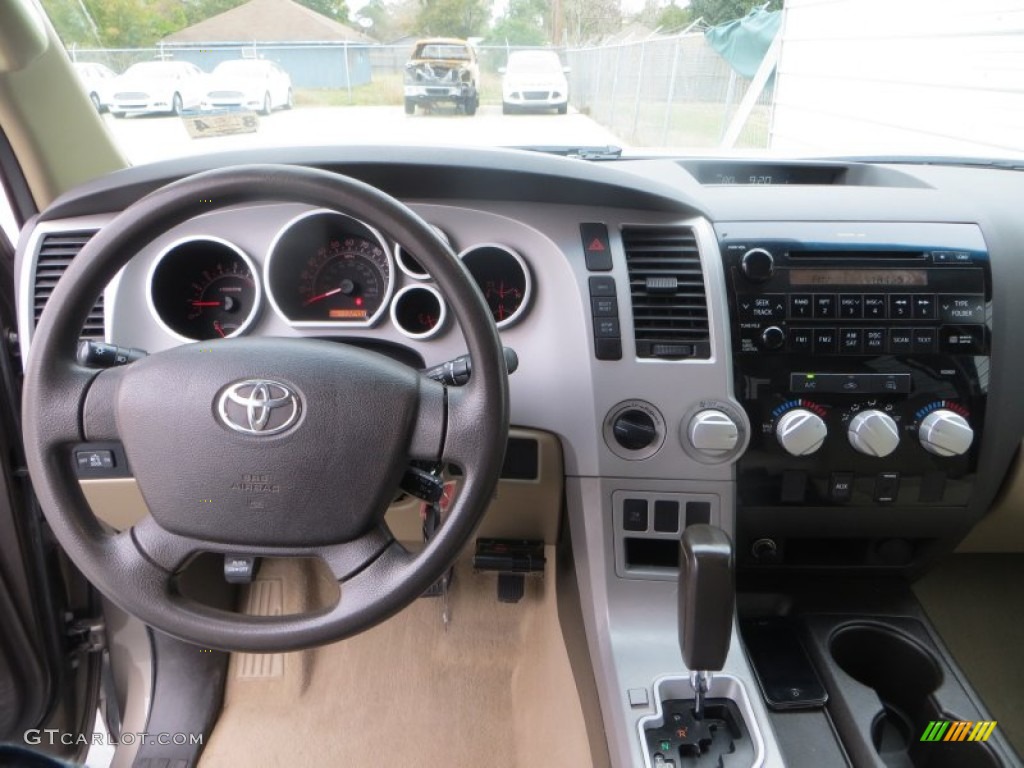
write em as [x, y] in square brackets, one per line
[258, 407]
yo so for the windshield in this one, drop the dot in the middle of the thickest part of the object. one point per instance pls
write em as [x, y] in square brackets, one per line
[800, 78]
[531, 63]
[240, 69]
[154, 70]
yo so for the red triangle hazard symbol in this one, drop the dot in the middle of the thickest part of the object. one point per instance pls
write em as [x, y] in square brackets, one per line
[596, 245]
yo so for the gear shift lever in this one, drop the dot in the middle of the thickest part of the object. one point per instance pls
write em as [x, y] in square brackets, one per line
[707, 597]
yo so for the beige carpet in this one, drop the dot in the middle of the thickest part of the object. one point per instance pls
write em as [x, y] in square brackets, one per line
[495, 690]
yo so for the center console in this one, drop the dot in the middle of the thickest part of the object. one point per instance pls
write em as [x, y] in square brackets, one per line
[861, 358]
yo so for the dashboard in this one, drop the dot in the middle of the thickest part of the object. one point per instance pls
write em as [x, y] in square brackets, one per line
[819, 357]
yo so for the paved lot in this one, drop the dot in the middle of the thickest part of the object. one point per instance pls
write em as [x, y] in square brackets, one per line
[145, 138]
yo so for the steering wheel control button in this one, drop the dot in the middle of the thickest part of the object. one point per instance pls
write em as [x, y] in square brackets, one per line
[887, 487]
[874, 433]
[259, 407]
[596, 248]
[94, 459]
[634, 430]
[634, 514]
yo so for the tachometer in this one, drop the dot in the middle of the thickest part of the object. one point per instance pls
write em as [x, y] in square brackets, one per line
[504, 279]
[204, 288]
[326, 268]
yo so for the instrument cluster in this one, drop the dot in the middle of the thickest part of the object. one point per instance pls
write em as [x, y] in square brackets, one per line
[322, 270]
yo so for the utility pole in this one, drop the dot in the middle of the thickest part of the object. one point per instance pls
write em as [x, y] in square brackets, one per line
[557, 20]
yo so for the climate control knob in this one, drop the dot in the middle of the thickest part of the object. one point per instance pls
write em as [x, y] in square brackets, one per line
[874, 433]
[801, 432]
[713, 433]
[945, 433]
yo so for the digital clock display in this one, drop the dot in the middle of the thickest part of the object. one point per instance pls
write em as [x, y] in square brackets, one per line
[898, 277]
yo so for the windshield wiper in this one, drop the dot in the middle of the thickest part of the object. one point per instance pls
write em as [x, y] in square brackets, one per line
[609, 152]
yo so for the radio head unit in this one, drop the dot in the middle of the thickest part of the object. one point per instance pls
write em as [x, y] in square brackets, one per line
[861, 358]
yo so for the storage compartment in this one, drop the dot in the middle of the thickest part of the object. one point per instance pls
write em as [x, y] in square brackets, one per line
[888, 686]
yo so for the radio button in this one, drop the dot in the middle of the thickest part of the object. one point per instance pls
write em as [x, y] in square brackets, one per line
[874, 306]
[824, 306]
[901, 341]
[773, 337]
[851, 307]
[924, 341]
[801, 340]
[900, 307]
[825, 341]
[962, 309]
[874, 341]
[962, 339]
[800, 306]
[851, 341]
[924, 306]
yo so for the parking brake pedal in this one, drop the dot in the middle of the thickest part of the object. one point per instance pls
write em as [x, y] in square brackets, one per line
[512, 560]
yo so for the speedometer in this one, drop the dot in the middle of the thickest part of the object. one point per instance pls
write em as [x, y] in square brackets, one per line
[326, 268]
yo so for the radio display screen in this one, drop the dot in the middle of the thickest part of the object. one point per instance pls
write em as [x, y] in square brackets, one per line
[821, 277]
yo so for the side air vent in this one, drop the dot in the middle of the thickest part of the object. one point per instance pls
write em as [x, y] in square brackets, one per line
[55, 254]
[666, 285]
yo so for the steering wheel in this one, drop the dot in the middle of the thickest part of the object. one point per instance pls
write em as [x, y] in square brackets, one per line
[261, 446]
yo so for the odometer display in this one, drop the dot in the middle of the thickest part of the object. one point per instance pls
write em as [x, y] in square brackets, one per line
[326, 268]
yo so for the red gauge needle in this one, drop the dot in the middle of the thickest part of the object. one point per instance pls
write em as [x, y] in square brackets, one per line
[205, 303]
[218, 329]
[321, 296]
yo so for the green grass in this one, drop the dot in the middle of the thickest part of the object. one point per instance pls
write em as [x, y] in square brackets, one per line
[692, 124]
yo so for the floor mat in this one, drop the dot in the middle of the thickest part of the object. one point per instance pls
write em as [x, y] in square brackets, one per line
[974, 601]
[495, 689]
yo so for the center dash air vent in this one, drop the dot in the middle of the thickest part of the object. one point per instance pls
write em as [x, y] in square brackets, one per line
[55, 254]
[666, 284]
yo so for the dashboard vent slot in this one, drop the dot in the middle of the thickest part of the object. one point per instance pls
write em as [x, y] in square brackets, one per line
[666, 286]
[55, 254]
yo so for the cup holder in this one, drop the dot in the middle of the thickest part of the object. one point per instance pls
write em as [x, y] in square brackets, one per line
[906, 676]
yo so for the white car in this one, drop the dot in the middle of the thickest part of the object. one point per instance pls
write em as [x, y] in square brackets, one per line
[96, 79]
[158, 86]
[248, 84]
[534, 80]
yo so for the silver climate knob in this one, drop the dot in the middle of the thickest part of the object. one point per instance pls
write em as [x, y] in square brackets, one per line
[874, 433]
[801, 432]
[713, 433]
[945, 433]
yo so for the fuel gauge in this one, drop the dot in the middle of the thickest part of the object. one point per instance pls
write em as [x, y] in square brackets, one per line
[204, 288]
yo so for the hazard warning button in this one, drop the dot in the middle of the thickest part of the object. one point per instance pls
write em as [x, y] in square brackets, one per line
[596, 248]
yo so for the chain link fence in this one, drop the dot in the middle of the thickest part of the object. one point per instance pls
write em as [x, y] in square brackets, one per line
[665, 92]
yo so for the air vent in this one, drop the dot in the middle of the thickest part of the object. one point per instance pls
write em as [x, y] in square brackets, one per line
[666, 285]
[55, 254]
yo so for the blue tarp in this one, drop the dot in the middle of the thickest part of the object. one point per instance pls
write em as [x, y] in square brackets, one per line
[744, 42]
